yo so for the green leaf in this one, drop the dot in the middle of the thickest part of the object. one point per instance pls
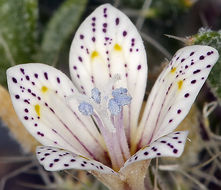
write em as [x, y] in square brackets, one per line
[212, 38]
[60, 27]
[18, 20]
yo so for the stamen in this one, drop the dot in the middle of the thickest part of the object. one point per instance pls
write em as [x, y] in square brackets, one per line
[114, 107]
[120, 99]
[86, 108]
[96, 95]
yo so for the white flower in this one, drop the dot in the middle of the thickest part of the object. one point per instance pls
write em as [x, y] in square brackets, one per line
[93, 122]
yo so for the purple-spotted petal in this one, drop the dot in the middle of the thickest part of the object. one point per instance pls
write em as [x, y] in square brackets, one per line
[106, 44]
[40, 96]
[54, 159]
[175, 91]
[171, 145]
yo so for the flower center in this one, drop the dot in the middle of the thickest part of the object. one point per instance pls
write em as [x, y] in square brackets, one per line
[106, 109]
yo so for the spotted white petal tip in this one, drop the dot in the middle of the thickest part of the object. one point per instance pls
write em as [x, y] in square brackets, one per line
[171, 145]
[175, 91]
[54, 159]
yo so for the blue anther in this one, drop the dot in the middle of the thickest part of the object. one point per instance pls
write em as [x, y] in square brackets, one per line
[96, 95]
[123, 99]
[113, 107]
[86, 108]
[119, 91]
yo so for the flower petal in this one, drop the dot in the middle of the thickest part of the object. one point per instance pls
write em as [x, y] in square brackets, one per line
[175, 91]
[54, 159]
[39, 94]
[107, 43]
[171, 145]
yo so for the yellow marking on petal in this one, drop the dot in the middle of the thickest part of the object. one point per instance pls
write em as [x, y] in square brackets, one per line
[173, 70]
[94, 54]
[37, 109]
[117, 47]
[180, 84]
[44, 89]
[84, 157]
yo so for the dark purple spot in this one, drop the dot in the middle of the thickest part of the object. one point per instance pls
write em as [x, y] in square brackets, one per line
[158, 154]
[154, 149]
[17, 96]
[208, 66]
[104, 30]
[193, 81]
[75, 68]
[26, 101]
[36, 75]
[81, 36]
[179, 111]
[93, 18]
[105, 25]
[101, 167]
[145, 153]
[175, 137]
[14, 80]
[46, 75]
[82, 165]
[177, 133]
[51, 165]
[182, 60]
[66, 165]
[35, 124]
[131, 49]
[93, 39]
[117, 21]
[22, 70]
[27, 77]
[191, 53]
[26, 117]
[202, 78]
[93, 24]
[124, 33]
[186, 95]
[26, 110]
[179, 142]
[138, 67]
[47, 154]
[42, 159]
[201, 57]
[56, 160]
[170, 120]
[72, 160]
[58, 80]
[163, 142]
[186, 66]
[29, 90]
[175, 151]
[196, 71]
